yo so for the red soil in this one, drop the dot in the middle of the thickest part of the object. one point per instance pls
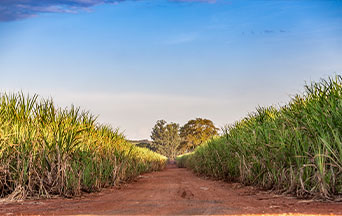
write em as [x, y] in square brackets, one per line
[174, 191]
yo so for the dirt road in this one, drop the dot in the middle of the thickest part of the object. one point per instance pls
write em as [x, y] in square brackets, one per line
[173, 191]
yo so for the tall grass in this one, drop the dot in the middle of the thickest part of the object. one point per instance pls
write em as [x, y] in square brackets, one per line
[294, 149]
[47, 151]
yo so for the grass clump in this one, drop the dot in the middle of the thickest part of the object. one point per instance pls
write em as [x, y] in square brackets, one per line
[47, 151]
[294, 149]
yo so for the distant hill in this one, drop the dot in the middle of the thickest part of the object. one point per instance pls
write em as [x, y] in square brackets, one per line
[145, 143]
[140, 141]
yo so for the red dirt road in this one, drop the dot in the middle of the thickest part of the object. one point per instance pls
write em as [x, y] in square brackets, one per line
[173, 191]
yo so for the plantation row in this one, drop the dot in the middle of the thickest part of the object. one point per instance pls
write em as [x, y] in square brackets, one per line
[294, 149]
[48, 151]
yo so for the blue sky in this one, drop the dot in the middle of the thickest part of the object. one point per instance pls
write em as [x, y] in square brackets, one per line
[134, 62]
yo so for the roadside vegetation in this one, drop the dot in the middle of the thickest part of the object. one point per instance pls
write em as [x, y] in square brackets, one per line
[293, 149]
[46, 151]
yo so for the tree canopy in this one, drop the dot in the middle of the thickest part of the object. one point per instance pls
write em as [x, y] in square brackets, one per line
[165, 138]
[171, 140]
[195, 132]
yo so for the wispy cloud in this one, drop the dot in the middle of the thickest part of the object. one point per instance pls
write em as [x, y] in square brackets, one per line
[204, 1]
[180, 39]
[20, 9]
[264, 32]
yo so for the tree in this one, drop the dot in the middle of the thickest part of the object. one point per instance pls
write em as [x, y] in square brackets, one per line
[165, 138]
[195, 132]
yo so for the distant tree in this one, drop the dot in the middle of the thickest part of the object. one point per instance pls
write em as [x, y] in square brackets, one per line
[195, 132]
[165, 138]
